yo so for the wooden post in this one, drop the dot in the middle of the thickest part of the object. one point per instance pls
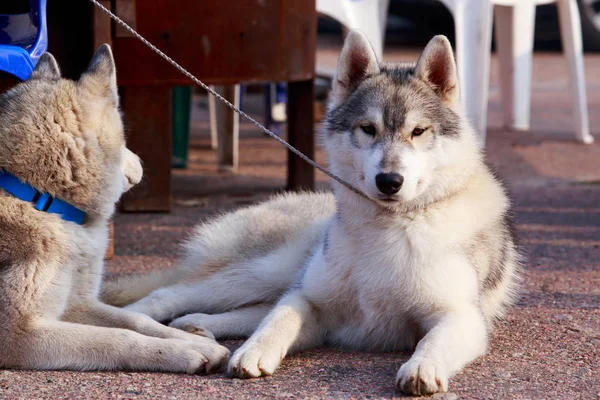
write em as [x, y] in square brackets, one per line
[148, 117]
[7, 81]
[300, 113]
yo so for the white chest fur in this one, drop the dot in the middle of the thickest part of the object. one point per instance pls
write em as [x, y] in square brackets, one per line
[376, 286]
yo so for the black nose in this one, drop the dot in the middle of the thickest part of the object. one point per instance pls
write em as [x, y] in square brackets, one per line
[389, 183]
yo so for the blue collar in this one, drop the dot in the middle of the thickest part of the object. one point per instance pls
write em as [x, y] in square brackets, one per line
[41, 201]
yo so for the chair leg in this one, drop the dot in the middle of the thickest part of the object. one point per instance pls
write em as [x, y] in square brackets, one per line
[212, 118]
[473, 24]
[227, 124]
[570, 29]
[366, 16]
[514, 36]
[384, 6]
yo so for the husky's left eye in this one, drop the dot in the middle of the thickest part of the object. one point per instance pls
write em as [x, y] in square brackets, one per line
[368, 129]
[418, 131]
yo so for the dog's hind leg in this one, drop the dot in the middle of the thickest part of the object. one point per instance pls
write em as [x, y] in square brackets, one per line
[215, 295]
[51, 344]
[241, 322]
[262, 280]
[100, 314]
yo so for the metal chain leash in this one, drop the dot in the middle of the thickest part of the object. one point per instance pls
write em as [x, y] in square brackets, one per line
[224, 100]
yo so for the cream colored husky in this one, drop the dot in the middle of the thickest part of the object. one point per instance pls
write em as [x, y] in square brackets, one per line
[427, 262]
[63, 143]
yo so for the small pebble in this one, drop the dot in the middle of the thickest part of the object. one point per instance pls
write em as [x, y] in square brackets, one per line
[563, 317]
[445, 396]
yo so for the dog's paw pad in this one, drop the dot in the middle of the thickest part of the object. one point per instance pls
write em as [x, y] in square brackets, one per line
[421, 377]
[251, 362]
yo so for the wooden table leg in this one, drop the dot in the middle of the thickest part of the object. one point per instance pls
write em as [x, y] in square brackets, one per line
[7, 81]
[301, 135]
[147, 111]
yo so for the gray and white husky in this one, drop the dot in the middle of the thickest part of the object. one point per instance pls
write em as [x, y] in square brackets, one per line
[427, 262]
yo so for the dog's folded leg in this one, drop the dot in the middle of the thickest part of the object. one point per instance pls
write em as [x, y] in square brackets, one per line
[220, 293]
[170, 302]
[291, 326]
[241, 322]
[50, 344]
[100, 314]
[455, 339]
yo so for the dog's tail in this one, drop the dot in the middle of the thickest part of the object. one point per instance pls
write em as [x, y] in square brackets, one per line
[123, 290]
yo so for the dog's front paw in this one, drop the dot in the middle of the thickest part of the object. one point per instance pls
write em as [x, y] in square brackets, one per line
[420, 376]
[216, 355]
[252, 361]
[200, 356]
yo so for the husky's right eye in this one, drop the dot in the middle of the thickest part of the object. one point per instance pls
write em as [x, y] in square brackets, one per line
[368, 129]
[418, 131]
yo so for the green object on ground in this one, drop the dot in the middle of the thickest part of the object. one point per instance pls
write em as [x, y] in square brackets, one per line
[182, 96]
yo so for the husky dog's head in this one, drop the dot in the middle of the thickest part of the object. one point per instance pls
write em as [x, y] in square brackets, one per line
[397, 131]
[66, 137]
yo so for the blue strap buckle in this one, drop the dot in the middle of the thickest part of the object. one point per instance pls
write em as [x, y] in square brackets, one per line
[41, 201]
[44, 200]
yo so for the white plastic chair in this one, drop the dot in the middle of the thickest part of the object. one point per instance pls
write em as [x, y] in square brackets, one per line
[369, 16]
[515, 21]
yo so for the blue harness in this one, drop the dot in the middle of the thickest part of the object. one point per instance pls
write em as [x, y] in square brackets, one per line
[41, 201]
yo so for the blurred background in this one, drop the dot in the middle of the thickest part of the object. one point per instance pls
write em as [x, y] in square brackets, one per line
[414, 22]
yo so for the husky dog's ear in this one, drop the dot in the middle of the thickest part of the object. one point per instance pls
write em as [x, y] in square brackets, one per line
[101, 76]
[356, 62]
[46, 68]
[437, 68]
